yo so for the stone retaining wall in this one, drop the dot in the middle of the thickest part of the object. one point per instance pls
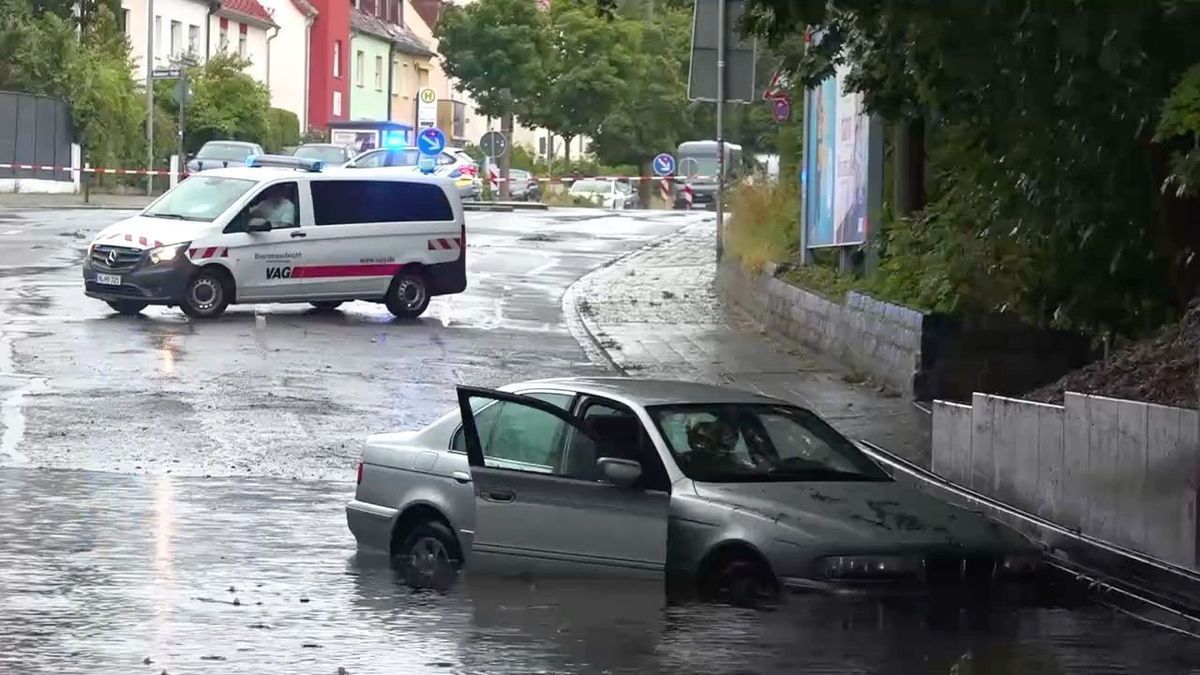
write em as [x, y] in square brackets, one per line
[923, 356]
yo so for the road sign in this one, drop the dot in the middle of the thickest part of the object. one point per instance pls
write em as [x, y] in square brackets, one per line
[689, 166]
[778, 88]
[165, 73]
[739, 53]
[431, 141]
[781, 110]
[664, 164]
[426, 108]
[493, 144]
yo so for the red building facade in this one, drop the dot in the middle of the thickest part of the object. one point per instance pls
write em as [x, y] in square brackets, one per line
[329, 68]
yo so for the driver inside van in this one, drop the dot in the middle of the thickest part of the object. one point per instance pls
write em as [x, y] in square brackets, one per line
[276, 207]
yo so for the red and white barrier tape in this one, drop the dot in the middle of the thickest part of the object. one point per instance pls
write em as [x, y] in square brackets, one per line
[92, 169]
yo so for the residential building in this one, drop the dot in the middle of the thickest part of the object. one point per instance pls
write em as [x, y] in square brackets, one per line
[329, 73]
[191, 30]
[382, 46]
[245, 28]
[288, 55]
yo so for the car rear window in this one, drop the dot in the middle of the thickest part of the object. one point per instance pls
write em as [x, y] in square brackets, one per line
[342, 202]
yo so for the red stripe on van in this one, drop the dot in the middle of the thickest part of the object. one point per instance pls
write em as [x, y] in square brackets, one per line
[326, 271]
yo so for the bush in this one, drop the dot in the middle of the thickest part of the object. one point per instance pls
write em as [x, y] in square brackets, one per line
[765, 223]
[283, 129]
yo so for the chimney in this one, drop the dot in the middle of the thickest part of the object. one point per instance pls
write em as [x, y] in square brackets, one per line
[429, 10]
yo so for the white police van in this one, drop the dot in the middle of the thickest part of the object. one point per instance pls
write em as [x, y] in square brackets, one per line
[282, 230]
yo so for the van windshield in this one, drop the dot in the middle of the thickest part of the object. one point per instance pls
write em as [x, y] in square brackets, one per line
[199, 198]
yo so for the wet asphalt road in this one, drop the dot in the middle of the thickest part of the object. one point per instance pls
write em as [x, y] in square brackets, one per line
[171, 495]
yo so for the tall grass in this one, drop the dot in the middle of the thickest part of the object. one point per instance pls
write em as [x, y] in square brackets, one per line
[765, 223]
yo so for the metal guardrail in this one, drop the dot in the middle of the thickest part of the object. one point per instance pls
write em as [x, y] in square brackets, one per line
[1151, 590]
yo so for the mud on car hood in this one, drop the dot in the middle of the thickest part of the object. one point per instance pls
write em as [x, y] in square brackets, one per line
[865, 516]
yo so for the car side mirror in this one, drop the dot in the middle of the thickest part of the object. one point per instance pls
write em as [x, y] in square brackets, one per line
[619, 472]
[257, 224]
[190, 156]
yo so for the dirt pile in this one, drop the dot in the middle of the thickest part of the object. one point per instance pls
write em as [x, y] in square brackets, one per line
[1160, 370]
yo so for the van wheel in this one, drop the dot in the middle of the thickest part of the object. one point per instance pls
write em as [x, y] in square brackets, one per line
[205, 296]
[408, 296]
[327, 305]
[127, 307]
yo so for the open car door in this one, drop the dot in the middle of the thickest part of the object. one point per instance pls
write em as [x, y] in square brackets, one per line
[532, 516]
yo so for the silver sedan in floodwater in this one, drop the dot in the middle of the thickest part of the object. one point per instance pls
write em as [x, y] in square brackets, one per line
[732, 493]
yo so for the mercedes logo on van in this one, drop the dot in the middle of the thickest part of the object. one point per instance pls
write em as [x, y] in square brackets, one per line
[112, 257]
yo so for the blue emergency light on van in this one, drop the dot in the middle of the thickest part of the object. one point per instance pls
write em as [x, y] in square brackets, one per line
[426, 164]
[284, 161]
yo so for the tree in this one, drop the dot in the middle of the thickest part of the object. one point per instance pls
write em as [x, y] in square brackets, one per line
[581, 79]
[494, 49]
[1041, 123]
[227, 103]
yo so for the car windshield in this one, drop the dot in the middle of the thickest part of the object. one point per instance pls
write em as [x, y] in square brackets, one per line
[199, 198]
[590, 187]
[230, 152]
[741, 443]
[326, 153]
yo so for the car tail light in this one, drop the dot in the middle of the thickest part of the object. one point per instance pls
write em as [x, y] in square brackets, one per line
[468, 170]
[358, 480]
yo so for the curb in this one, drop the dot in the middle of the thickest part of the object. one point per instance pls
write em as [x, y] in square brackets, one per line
[583, 330]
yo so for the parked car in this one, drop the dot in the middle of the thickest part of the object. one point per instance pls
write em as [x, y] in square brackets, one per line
[730, 492]
[329, 153]
[222, 154]
[453, 163]
[524, 186]
[611, 194]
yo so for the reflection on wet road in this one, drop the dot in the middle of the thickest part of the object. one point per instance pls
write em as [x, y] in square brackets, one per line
[101, 571]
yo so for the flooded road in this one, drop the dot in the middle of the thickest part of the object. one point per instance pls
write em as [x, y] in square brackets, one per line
[172, 492]
[100, 572]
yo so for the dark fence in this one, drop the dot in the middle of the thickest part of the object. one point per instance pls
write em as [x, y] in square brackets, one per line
[35, 130]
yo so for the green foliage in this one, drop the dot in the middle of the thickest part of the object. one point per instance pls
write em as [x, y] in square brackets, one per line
[283, 129]
[48, 53]
[227, 103]
[494, 48]
[1180, 123]
[1046, 194]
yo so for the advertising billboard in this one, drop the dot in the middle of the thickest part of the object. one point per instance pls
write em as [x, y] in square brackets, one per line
[837, 158]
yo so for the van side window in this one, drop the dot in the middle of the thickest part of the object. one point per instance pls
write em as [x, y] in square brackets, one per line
[278, 204]
[344, 202]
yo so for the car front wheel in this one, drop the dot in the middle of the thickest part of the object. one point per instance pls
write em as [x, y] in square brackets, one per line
[205, 296]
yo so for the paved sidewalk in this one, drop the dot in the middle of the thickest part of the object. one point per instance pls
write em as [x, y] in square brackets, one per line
[28, 200]
[656, 313]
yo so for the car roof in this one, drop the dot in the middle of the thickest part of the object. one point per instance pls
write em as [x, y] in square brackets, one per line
[220, 142]
[650, 392]
[321, 145]
[267, 173]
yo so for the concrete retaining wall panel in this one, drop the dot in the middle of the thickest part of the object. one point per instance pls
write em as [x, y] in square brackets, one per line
[1076, 460]
[1050, 462]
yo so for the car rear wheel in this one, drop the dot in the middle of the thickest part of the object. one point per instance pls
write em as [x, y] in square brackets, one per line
[127, 307]
[205, 296]
[429, 556]
[327, 305]
[408, 296]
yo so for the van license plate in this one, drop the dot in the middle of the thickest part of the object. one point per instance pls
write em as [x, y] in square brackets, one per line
[109, 279]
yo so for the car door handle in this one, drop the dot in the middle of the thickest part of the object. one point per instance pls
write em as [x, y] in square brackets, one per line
[297, 235]
[500, 495]
[461, 476]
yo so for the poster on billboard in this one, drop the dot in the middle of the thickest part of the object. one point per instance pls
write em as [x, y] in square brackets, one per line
[837, 166]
